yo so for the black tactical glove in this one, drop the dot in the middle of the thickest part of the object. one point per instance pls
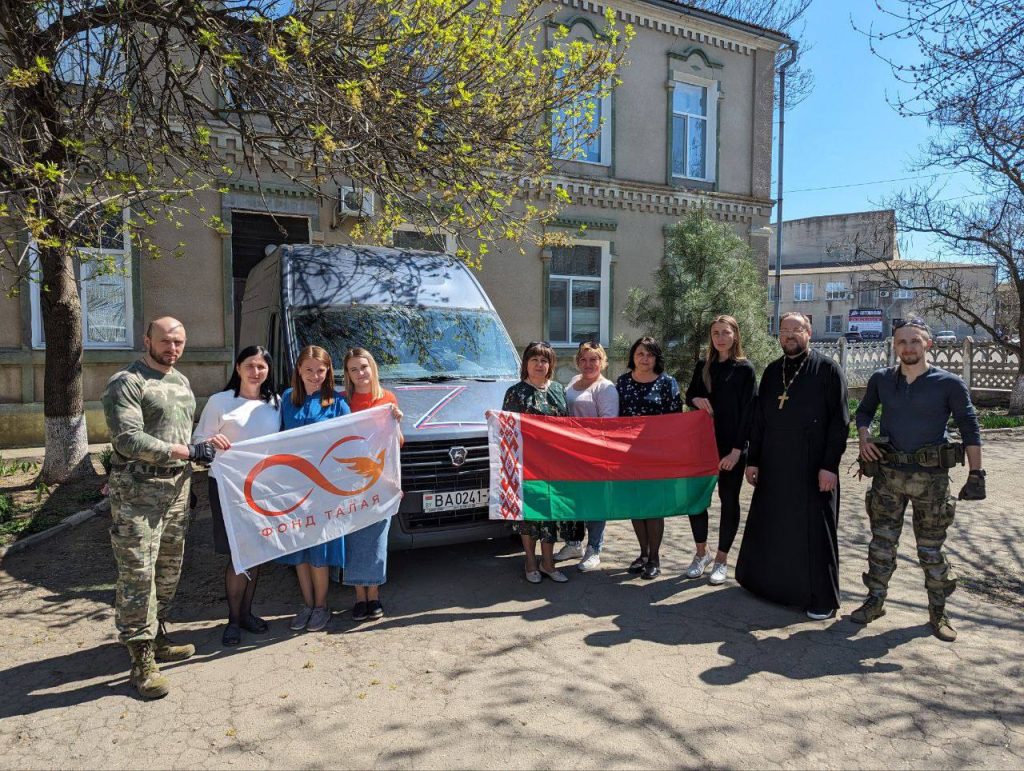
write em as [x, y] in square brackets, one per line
[974, 487]
[202, 453]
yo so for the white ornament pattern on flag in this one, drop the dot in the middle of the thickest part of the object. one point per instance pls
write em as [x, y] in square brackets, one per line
[506, 461]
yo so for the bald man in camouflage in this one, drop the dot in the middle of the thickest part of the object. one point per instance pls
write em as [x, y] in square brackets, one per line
[148, 406]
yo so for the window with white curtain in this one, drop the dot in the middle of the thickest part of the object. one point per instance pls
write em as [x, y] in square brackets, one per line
[103, 270]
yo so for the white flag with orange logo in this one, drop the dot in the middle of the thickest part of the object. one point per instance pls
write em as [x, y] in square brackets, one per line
[284, 492]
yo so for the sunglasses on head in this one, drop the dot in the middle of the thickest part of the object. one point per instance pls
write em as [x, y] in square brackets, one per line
[914, 322]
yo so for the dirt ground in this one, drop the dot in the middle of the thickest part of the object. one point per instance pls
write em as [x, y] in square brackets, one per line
[474, 667]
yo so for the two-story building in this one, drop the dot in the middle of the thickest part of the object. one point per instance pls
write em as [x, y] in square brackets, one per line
[689, 126]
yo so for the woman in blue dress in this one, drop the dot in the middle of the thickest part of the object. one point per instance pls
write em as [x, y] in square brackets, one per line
[313, 399]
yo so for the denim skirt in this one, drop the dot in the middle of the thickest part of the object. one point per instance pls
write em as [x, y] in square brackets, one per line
[330, 554]
[366, 555]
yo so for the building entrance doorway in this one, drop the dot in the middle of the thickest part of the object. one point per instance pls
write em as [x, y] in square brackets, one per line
[251, 234]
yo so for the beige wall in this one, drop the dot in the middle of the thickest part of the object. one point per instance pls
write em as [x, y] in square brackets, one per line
[631, 198]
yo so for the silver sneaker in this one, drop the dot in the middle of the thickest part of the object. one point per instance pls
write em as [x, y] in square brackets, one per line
[591, 560]
[301, 618]
[318, 619]
[719, 573]
[699, 565]
[571, 550]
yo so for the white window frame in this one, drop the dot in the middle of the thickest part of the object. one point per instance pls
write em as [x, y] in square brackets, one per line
[605, 292]
[803, 292]
[834, 329]
[429, 230]
[904, 293]
[35, 294]
[711, 130]
[835, 290]
[604, 137]
[771, 291]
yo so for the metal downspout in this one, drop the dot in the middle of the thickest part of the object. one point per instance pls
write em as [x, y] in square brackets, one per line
[778, 220]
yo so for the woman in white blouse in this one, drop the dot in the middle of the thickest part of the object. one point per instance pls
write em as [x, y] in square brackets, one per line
[589, 395]
[247, 408]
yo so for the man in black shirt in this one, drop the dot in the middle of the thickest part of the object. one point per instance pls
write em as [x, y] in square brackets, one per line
[917, 400]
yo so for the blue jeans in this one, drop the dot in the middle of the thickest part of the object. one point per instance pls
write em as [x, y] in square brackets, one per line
[573, 531]
[595, 534]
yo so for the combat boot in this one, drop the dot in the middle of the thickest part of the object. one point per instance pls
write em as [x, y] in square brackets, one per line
[167, 650]
[873, 607]
[940, 623]
[145, 676]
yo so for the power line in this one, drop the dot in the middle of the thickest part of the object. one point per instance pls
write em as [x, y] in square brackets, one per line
[873, 182]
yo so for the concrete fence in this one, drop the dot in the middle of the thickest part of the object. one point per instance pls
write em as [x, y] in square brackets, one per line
[984, 366]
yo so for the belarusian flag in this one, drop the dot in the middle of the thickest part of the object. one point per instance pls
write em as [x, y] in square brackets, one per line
[545, 468]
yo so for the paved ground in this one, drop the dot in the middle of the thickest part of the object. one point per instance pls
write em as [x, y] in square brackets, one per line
[473, 667]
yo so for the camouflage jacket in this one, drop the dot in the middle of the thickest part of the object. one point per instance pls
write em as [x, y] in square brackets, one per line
[147, 411]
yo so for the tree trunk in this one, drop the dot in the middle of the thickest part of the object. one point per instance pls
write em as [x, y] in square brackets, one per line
[1017, 393]
[67, 443]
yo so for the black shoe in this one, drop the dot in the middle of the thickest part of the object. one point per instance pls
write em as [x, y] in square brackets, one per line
[232, 636]
[374, 609]
[254, 624]
[359, 612]
[651, 570]
[636, 567]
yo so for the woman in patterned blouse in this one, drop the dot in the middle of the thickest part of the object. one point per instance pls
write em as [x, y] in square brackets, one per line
[647, 390]
[538, 394]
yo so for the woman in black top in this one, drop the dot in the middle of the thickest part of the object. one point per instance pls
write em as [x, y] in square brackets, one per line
[724, 386]
[647, 390]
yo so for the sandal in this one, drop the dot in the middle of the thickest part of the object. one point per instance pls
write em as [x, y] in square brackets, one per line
[232, 635]
[254, 624]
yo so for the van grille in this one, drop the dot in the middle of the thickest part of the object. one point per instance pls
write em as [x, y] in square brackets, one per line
[427, 468]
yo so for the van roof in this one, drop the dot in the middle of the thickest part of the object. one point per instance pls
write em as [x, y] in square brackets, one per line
[377, 275]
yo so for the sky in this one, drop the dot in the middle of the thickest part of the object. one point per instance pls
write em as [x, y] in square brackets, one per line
[846, 148]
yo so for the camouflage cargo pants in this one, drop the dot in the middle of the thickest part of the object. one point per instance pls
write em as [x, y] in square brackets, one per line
[150, 519]
[928, 493]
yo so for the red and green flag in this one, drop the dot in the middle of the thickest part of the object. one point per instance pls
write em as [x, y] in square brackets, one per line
[545, 468]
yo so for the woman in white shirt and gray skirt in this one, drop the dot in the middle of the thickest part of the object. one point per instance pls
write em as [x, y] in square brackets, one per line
[247, 408]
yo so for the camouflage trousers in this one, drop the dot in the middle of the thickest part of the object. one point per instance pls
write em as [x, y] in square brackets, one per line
[928, 494]
[150, 519]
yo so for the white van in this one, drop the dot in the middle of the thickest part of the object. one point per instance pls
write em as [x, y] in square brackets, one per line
[441, 349]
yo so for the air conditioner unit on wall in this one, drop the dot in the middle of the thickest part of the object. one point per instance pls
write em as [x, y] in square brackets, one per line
[355, 202]
[883, 292]
[850, 295]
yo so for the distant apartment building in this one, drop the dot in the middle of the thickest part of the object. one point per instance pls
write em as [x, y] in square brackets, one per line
[837, 270]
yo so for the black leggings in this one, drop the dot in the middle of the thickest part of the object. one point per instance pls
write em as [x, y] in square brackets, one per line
[729, 484]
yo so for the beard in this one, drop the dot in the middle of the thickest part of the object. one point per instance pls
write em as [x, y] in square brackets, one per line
[793, 347]
[166, 359]
[910, 358]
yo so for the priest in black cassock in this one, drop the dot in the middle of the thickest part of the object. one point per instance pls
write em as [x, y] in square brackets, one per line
[790, 553]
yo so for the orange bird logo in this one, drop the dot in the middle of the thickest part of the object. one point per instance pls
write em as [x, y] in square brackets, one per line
[369, 469]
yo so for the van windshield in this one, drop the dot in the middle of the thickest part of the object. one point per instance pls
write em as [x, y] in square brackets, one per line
[413, 343]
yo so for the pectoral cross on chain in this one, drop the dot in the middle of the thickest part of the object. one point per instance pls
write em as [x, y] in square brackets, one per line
[782, 400]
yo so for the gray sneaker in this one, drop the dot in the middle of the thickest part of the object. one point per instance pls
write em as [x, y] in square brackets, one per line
[301, 618]
[319, 619]
[699, 565]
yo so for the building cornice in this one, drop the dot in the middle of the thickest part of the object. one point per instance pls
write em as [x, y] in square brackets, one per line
[685, 23]
[658, 199]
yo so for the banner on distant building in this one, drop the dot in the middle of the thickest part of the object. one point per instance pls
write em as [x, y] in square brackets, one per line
[298, 488]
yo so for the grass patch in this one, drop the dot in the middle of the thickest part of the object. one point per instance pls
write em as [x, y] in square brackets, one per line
[28, 506]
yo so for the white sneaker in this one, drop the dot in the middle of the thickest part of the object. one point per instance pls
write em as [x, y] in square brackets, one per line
[719, 573]
[571, 550]
[591, 559]
[699, 565]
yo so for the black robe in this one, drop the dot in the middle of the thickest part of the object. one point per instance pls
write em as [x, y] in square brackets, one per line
[790, 552]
